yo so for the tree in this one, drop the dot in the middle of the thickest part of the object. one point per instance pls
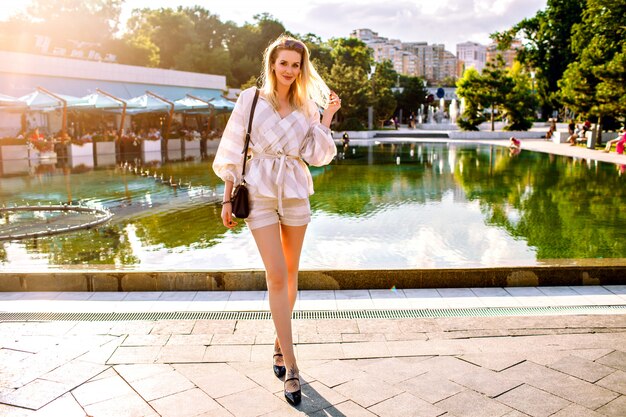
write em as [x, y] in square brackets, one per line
[520, 103]
[93, 21]
[352, 52]
[612, 86]
[507, 91]
[382, 98]
[83, 20]
[468, 88]
[252, 82]
[413, 94]
[547, 46]
[598, 40]
[494, 87]
[348, 76]
[449, 81]
[170, 30]
[196, 57]
[247, 43]
[319, 50]
[352, 85]
[136, 50]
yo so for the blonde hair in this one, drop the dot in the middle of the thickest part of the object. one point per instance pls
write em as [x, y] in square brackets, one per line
[308, 84]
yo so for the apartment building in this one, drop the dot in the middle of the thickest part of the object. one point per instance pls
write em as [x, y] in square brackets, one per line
[472, 54]
[418, 59]
[509, 55]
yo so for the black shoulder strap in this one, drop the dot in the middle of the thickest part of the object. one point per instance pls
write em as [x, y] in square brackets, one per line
[245, 148]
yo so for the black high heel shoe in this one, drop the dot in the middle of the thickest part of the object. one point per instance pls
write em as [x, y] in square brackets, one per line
[279, 370]
[294, 397]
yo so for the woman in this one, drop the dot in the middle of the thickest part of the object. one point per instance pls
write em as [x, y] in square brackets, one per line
[286, 131]
[620, 140]
[515, 143]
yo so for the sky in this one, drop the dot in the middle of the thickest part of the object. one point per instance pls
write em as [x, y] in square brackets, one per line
[433, 21]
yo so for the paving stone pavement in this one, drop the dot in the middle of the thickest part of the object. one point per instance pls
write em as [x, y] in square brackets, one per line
[572, 365]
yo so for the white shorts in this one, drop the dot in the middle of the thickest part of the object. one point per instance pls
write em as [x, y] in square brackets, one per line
[264, 212]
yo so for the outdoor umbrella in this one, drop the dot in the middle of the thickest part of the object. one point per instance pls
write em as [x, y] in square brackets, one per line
[100, 101]
[9, 102]
[191, 104]
[44, 100]
[146, 104]
[221, 103]
[103, 101]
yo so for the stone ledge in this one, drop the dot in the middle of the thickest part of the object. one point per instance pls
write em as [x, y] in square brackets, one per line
[313, 280]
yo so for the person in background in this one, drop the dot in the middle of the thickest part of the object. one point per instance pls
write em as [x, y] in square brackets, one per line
[619, 142]
[345, 139]
[579, 133]
[515, 146]
[552, 128]
[36, 135]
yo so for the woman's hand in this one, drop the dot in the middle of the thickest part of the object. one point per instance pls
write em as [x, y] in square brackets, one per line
[227, 215]
[334, 104]
[227, 206]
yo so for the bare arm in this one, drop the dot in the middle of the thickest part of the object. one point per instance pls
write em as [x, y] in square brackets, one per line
[333, 105]
[227, 207]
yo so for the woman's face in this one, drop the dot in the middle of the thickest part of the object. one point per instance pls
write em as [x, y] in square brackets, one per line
[287, 67]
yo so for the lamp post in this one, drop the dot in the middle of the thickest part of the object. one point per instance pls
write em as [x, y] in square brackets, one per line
[532, 87]
[370, 109]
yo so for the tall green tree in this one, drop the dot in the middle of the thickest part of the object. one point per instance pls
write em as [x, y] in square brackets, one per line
[495, 87]
[246, 46]
[520, 103]
[62, 20]
[597, 39]
[506, 91]
[612, 86]
[319, 50]
[413, 94]
[352, 52]
[547, 38]
[86, 20]
[170, 30]
[197, 57]
[352, 85]
[383, 100]
[350, 59]
[469, 89]
[136, 49]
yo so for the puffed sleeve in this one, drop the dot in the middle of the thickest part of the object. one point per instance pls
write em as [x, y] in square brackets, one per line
[228, 160]
[318, 147]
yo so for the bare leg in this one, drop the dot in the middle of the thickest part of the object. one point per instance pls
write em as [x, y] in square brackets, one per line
[268, 241]
[609, 144]
[292, 238]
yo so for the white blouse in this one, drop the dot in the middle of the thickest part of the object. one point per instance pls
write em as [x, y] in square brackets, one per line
[278, 149]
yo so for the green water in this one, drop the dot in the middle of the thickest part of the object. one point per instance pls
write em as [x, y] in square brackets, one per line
[383, 206]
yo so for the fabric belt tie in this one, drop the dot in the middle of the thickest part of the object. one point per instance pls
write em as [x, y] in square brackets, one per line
[280, 177]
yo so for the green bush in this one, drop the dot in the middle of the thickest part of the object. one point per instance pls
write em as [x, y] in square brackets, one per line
[351, 123]
[471, 118]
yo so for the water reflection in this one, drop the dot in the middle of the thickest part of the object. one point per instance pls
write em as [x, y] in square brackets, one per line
[408, 205]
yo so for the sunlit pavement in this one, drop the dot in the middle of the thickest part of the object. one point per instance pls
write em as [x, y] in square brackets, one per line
[562, 364]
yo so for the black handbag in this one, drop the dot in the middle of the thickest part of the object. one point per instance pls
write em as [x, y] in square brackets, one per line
[239, 199]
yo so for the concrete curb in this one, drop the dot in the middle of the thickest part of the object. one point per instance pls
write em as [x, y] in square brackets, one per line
[254, 280]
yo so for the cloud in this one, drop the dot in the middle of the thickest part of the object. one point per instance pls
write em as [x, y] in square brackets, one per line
[443, 21]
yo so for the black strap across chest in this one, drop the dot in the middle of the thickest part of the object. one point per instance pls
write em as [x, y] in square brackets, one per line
[245, 148]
